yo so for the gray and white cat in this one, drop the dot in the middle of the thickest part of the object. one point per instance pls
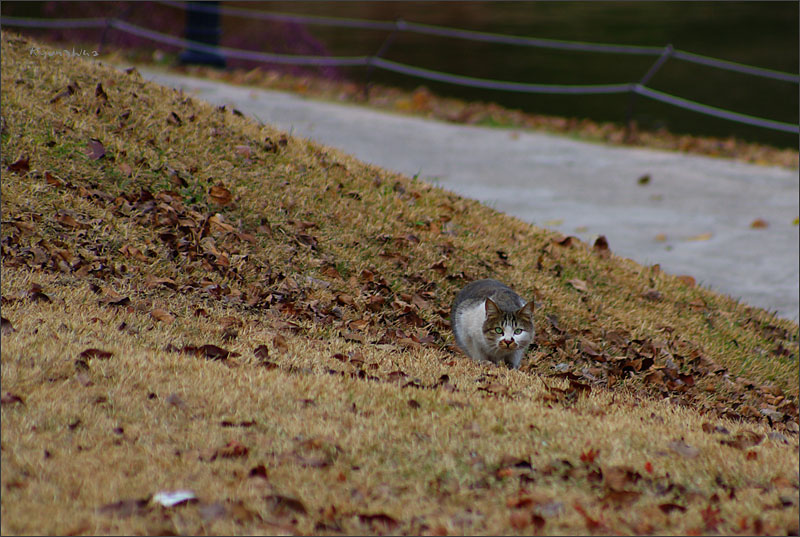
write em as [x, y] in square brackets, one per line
[492, 322]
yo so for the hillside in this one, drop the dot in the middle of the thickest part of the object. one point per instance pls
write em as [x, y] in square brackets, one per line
[191, 300]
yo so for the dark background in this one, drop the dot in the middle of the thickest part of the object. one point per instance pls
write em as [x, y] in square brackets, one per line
[763, 34]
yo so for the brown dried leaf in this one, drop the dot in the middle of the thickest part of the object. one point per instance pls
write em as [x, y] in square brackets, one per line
[701, 237]
[682, 448]
[7, 327]
[619, 477]
[20, 166]
[687, 280]
[220, 195]
[162, 315]
[125, 508]
[9, 398]
[279, 342]
[652, 294]
[100, 93]
[589, 456]
[125, 169]
[601, 246]
[218, 221]
[71, 88]
[566, 241]
[667, 508]
[96, 353]
[743, 440]
[243, 150]
[580, 285]
[232, 449]
[379, 522]
[759, 223]
[285, 505]
[258, 471]
[210, 352]
[174, 119]
[95, 150]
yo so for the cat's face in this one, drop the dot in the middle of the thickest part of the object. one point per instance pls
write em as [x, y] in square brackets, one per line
[508, 331]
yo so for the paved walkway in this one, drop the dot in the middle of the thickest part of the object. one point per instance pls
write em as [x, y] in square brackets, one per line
[693, 216]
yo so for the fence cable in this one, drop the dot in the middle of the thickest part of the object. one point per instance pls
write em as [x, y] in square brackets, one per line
[376, 61]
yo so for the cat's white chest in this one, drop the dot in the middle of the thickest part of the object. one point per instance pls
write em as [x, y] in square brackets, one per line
[470, 330]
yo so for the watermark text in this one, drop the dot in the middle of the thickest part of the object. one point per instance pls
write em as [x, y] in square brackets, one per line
[63, 53]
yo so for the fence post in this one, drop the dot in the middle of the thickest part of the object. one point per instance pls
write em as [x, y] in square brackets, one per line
[202, 25]
[662, 59]
[399, 25]
[107, 27]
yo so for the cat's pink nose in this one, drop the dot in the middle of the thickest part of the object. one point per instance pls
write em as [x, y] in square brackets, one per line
[508, 342]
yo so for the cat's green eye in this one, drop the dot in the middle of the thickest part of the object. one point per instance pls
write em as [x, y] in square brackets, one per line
[518, 331]
[498, 330]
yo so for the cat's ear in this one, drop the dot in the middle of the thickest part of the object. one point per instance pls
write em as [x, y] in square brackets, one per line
[491, 308]
[527, 311]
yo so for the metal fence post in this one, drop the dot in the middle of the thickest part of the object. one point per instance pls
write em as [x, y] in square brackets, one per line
[662, 59]
[202, 25]
[399, 25]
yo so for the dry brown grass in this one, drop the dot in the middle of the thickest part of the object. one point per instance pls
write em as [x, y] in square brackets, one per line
[359, 411]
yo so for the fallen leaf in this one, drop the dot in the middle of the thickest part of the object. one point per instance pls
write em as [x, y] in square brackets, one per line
[125, 508]
[232, 449]
[9, 398]
[759, 223]
[174, 119]
[173, 498]
[283, 505]
[700, 237]
[162, 315]
[243, 150]
[644, 179]
[682, 448]
[210, 352]
[687, 280]
[20, 166]
[652, 294]
[743, 440]
[220, 195]
[96, 353]
[667, 508]
[601, 246]
[100, 93]
[711, 517]
[379, 521]
[6, 325]
[660, 237]
[619, 477]
[566, 241]
[258, 471]
[213, 511]
[71, 88]
[95, 149]
[174, 400]
[579, 285]
[279, 342]
[589, 456]
[519, 520]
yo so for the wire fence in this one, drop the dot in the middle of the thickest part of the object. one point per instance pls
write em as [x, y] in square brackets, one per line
[376, 61]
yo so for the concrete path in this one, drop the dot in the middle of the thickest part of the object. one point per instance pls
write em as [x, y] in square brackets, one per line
[692, 217]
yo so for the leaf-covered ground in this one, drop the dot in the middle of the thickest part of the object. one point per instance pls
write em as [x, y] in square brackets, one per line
[193, 301]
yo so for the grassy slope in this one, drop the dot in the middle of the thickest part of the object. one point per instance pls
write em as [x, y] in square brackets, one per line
[199, 227]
